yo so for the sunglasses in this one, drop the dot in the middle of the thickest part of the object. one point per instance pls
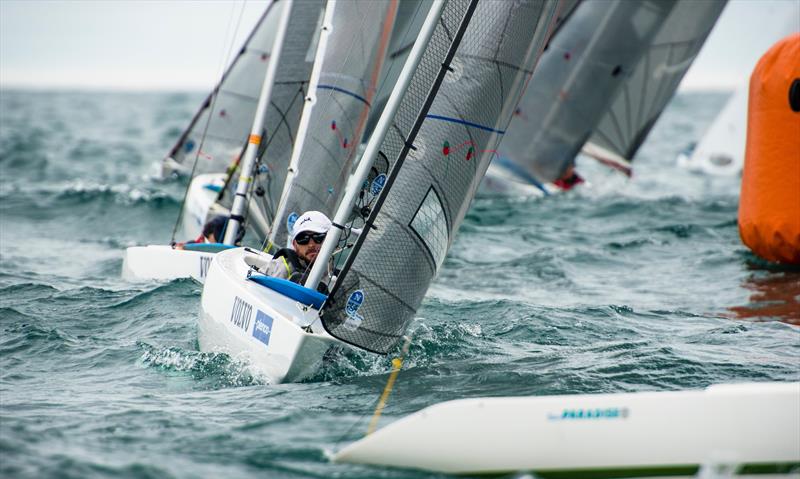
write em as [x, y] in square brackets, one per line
[304, 238]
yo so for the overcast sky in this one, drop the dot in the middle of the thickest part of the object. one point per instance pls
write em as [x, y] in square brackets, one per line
[184, 45]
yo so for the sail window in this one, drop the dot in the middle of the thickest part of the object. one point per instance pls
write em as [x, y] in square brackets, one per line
[430, 224]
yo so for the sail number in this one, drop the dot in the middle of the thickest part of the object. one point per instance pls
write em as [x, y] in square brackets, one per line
[241, 312]
[205, 262]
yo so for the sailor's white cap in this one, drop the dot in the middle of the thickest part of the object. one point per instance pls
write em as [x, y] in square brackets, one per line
[313, 221]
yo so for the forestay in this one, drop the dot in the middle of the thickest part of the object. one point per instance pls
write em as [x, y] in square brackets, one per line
[358, 35]
[282, 118]
[217, 142]
[649, 88]
[442, 138]
[584, 65]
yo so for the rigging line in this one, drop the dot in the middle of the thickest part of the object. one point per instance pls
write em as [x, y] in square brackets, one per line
[346, 92]
[208, 120]
[397, 364]
[464, 122]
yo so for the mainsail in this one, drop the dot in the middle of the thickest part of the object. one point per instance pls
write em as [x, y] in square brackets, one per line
[451, 118]
[344, 86]
[215, 143]
[282, 117]
[649, 88]
[584, 65]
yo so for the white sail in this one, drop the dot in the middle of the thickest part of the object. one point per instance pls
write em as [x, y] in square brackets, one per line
[218, 132]
[281, 122]
[355, 37]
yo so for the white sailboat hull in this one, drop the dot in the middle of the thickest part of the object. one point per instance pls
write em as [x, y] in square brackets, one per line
[279, 337]
[199, 200]
[748, 428]
[162, 262]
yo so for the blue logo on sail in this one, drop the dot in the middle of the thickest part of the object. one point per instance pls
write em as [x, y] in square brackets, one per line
[377, 184]
[354, 302]
[290, 221]
[262, 330]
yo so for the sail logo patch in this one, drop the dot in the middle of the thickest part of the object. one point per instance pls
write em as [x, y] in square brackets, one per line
[377, 184]
[241, 312]
[589, 413]
[262, 330]
[291, 220]
[354, 302]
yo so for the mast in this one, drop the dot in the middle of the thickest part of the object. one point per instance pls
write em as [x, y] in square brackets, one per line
[246, 177]
[384, 123]
[305, 119]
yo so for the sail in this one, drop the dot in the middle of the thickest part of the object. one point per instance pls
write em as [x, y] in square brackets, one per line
[218, 142]
[450, 120]
[649, 88]
[584, 65]
[281, 119]
[349, 69]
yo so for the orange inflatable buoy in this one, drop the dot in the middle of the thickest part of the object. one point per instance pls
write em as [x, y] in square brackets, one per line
[769, 204]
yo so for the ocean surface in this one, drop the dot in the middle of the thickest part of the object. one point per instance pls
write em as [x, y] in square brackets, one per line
[617, 286]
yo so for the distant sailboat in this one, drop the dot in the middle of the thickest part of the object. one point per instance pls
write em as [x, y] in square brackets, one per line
[585, 65]
[720, 151]
[439, 129]
[607, 75]
[276, 109]
[649, 88]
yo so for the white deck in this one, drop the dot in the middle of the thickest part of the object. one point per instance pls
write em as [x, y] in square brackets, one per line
[281, 338]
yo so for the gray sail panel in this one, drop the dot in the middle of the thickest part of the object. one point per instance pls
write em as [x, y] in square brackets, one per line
[577, 77]
[281, 118]
[649, 88]
[428, 192]
[345, 91]
[217, 143]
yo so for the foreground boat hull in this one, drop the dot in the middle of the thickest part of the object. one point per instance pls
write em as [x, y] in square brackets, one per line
[163, 262]
[279, 337]
[747, 429]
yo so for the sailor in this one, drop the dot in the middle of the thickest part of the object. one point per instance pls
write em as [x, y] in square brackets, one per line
[569, 179]
[306, 237]
[213, 232]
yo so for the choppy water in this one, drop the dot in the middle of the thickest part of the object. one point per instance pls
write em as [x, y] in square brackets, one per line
[620, 286]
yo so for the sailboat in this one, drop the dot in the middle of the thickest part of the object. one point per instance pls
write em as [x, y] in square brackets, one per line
[435, 138]
[585, 64]
[720, 152]
[726, 430]
[636, 107]
[600, 90]
[275, 108]
[217, 134]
